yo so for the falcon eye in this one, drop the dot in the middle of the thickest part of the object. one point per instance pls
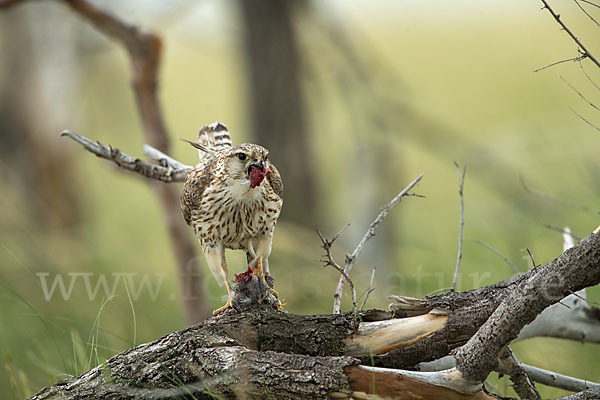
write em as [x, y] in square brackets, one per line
[242, 156]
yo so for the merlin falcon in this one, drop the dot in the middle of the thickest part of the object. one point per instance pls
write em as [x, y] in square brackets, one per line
[232, 199]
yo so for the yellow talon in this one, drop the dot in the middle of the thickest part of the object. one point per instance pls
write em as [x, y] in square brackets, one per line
[225, 307]
[228, 304]
[259, 269]
[281, 305]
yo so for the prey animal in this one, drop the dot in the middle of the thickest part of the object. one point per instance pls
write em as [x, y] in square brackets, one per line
[232, 199]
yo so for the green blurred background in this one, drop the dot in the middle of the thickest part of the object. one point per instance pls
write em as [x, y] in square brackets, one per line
[386, 90]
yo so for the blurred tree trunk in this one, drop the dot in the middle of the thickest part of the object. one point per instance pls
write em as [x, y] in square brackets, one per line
[31, 117]
[277, 110]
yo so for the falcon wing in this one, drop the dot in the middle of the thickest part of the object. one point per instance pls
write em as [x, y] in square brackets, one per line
[196, 182]
[275, 181]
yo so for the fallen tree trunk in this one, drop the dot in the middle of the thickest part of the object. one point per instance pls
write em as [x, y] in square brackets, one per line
[264, 352]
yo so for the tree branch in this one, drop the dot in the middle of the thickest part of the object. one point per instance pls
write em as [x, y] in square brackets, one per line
[326, 245]
[461, 183]
[574, 270]
[545, 377]
[437, 326]
[350, 259]
[585, 51]
[499, 254]
[519, 377]
[164, 173]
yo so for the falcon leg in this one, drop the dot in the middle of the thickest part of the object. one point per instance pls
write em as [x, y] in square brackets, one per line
[228, 304]
[258, 269]
[265, 267]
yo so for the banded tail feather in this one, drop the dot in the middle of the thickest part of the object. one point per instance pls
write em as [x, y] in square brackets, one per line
[213, 137]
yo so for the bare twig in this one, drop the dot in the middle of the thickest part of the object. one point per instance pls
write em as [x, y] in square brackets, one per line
[499, 254]
[561, 230]
[368, 291]
[326, 245]
[350, 259]
[585, 51]
[584, 119]
[586, 13]
[589, 78]
[578, 93]
[578, 58]
[590, 3]
[153, 171]
[461, 183]
[557, 199]
[581, 94]
[534, 265]
[521, 381]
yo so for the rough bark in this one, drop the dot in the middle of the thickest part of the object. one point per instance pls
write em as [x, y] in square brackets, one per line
[224, 355]
[574, 270]
[206, 373]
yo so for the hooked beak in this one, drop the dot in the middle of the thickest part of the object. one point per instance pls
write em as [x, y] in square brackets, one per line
[260, 165]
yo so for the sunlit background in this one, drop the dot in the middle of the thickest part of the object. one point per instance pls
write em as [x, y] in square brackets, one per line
[369, 95]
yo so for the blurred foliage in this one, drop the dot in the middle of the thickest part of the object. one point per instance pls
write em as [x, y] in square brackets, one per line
[388, 95]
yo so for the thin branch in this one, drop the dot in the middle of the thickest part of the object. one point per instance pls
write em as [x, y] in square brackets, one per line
[579, 93]
[350, 259]
[461, 183]
[519, 377]
[574, 59]
[586, 13]
[561, 230]
[588, 76]
[566, 29]
[584, 119]
[499, 254]
[326, 245]
[590, 3]
[369, 290]
[153, 171]
[534, 265]
[557, 199]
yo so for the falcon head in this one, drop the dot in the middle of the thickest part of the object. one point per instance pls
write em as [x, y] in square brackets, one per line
[249, 162]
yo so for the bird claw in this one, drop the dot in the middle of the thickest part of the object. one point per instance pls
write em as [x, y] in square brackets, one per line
[227, 306]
